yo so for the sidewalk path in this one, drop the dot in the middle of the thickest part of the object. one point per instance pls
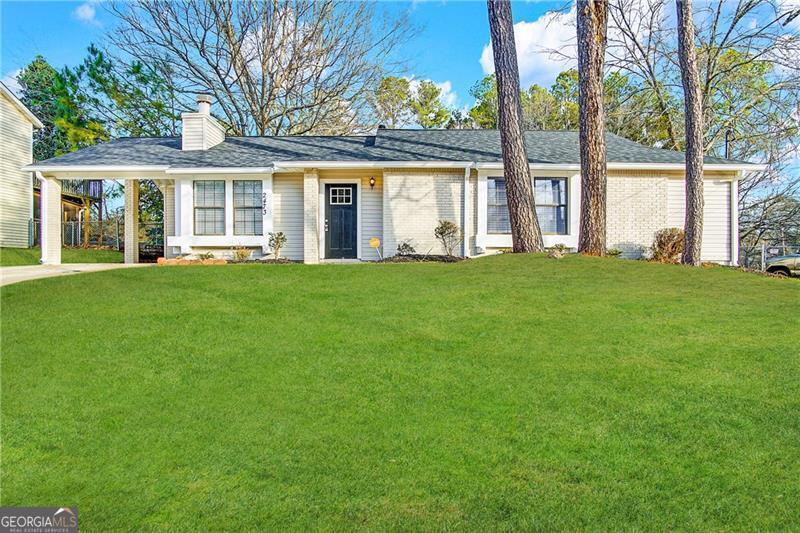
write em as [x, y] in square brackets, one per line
[15, 274]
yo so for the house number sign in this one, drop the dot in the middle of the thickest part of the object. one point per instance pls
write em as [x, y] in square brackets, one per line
[264, 203]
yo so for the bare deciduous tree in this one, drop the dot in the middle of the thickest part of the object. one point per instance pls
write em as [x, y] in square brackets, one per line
[693, 118]
[274, 67]
[525, 232]
[592, 22]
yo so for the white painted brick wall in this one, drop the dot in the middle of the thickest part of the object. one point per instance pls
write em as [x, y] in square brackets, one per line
[131, 221]
[637, 209]
[415, 201]
[169, 220]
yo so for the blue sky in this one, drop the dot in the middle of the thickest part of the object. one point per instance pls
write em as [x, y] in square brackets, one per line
[449, 49]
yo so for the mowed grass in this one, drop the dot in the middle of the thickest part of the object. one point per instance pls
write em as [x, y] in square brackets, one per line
[499, 393]
[31, 256]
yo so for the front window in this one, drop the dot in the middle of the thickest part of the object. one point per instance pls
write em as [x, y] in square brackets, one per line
[497, 220]
[551, 205]
[247, 217]
[209, 207]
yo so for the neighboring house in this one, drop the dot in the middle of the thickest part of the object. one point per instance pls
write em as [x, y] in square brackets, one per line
[19, 190]
[75, 195]
[331, 195]
[16, 185]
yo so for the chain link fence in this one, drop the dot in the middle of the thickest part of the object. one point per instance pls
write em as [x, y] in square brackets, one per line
[106, 234]
[758, 257]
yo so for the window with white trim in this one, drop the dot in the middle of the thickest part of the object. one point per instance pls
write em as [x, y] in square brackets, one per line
[497, 220]
[209, 207]
[341, 195]
[247, 216]
[551, 205]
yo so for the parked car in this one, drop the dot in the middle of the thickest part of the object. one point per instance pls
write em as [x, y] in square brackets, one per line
[784, 265]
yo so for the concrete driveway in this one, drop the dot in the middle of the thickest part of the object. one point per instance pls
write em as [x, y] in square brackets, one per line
[16, 274]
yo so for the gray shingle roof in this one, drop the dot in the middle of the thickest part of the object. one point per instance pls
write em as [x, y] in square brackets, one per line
[553, 147]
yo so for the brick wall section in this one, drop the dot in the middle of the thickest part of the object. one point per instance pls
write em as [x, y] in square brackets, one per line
[310, 217]
[169, 220]
[637, 209]
[415, 201]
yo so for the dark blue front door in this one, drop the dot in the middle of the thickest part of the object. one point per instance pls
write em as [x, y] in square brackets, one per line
[341, 224]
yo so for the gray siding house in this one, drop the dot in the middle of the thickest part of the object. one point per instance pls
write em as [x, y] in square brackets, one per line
[332, 195]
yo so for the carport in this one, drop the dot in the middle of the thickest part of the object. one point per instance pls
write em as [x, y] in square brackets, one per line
[51, 177]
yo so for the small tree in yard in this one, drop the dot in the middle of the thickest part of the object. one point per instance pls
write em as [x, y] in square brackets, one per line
[276, 242]
[449, 234]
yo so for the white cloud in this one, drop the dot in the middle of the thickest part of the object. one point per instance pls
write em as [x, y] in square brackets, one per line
[535, 42]
[448, 97]
[87, 13]
[10, 81]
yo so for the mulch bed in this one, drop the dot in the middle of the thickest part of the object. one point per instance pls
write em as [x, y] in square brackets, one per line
[180, 261]
[420, 258]
[281, 261]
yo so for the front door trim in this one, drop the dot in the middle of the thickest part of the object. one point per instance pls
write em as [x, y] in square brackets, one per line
[321, 212]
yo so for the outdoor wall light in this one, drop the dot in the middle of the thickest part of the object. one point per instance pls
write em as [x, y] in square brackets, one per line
[372, 182]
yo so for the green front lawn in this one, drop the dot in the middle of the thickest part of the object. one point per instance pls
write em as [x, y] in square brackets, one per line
[507, 392]
[31, 256]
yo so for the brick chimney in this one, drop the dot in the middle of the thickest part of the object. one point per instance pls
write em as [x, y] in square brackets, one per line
[201, 131]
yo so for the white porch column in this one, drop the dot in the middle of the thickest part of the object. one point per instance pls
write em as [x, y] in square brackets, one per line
[131, 221]
[184, 212]
[51, 221]
[266, 212]
[310, 216]
[482, 225]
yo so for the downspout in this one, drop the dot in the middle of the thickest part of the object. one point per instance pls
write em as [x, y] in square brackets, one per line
[467, 209]
[734, 210]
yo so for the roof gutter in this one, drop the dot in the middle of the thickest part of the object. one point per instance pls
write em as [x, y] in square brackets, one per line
[746, 167]
[220, 170]
[282, 165]
[95, 168]
[291, 165]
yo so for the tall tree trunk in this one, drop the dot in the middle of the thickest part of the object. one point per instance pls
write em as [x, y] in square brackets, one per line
[525, 233]
[592, 24]
[693, 102]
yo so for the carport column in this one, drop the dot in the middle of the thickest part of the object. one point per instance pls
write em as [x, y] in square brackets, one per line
[131, 221]
[51, 221]
[310, 216]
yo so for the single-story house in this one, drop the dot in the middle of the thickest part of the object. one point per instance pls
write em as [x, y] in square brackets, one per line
[332, 195]
[16, 186]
